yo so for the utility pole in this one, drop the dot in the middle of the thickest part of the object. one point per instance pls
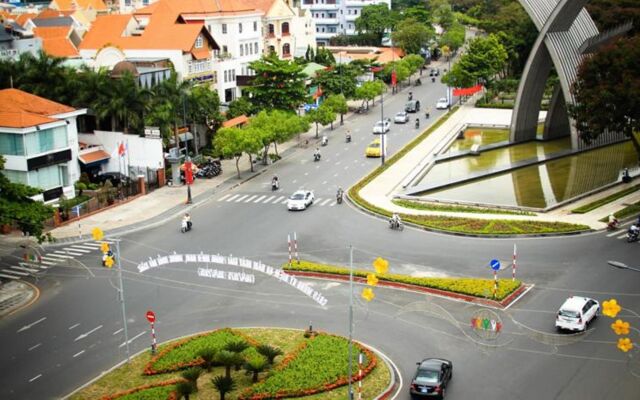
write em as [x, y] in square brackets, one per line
[121, 292]
[382, 144]
[350, 319]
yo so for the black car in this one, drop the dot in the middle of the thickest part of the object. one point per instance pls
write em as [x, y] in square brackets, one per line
[412, 106]
[434, 72]
[432, 378]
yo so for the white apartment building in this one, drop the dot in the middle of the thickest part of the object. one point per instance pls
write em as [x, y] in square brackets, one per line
[334, 17]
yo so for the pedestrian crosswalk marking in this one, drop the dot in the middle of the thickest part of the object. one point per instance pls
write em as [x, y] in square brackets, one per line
[68, 252]
[49, 259]
[260, 198]
[30, 265]
[81, 247]
[278, 200]
[624, 235]
[8, 276]
[16, 272]
[93, 246]
[45, 262]
[268, 199]
[31, 270]
[239, 199]
[251, 198]
[324, 202]
[332, 204]
[224, 197]
[614, 233]
[55, 255]
[232, 197]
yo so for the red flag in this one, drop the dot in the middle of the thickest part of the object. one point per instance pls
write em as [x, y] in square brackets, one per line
[394, 78]
[467, 91]
[121, 149]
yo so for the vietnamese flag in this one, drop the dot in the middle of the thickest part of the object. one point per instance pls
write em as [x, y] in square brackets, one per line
[394, 78]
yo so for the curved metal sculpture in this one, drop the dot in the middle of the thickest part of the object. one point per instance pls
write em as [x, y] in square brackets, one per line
[564, 26]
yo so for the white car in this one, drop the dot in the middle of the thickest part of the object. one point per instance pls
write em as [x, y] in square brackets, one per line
[401, 118]
[300, 200]
[442, 104]
[576, 313]
[382, 126]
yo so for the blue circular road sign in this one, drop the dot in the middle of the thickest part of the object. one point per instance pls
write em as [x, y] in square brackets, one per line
[494, 264]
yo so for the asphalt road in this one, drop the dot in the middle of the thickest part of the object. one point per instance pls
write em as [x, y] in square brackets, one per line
[74, 332]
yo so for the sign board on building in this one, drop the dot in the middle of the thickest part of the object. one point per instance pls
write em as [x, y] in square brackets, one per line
[152, 132]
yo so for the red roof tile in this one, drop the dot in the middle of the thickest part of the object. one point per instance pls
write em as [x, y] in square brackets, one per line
[21, 109]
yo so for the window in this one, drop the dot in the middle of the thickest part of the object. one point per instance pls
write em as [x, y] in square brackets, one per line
[226, 75]
[286, 49]
[255, 47]
[45, 140]
[355, 12]
[285, 28]
[46, 178]
[246, 48]
[224, 28]
[199, 42]
[240, 27]
[12, 145]
[241, 50]
[255, 26]
[272, 30]
[225, 49]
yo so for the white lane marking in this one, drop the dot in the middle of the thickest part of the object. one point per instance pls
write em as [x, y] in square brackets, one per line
[82, 247]
[24, 328]
[267, 200]
[92, 245]
[338, 163]
[334, 175]
[133, 338]
[284, 201]
[34, 347]
[325, 202]
[73, 253]
[363, 164]
[615, 233]
[232, 197]
[324, 183]
[278, 199]
[355, 161]
[337, 154]
[52, 259]
[74, 326]
[346, 167]
[9, 276]
[35, 377]
[25, 269]
[294, 181]
[239, 199]
[332, 204]
[32, 265]
[83, 251]
[327, 160]
[259, 199]
[118, 331]
[16, 272]
[624, 235]
[224, 197]
[251, 198]
[306, 173]
[45, 262]
[78, 353]
[59, 256]
[84, 335]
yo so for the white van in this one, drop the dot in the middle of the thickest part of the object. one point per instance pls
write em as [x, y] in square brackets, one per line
[576, 313]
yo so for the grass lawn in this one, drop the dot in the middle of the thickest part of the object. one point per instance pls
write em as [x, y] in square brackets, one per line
[605, 200]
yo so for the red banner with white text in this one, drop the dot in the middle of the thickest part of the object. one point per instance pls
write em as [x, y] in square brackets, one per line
[467, 91]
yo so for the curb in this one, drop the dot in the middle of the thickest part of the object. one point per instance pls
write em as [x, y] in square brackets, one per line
[32, 297]
[502, 304]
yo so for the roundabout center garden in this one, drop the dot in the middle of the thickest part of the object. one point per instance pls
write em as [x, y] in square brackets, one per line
[244, 364]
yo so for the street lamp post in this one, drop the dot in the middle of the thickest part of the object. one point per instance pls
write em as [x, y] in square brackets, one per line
[121, 292]
[382, 146]
[350, 318]
[621, 265]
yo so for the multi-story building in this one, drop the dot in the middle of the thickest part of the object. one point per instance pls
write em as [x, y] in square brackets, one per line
[16, 41]
[334, 17]
[287, 30]
[39, 142]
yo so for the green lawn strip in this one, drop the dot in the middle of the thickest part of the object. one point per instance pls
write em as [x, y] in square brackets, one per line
[319, 365]
[482, 288]
[184, 354]
[130, 377]
[162, 392]
[605, 200]
[457, 224]
[418, 205]
[629, 211]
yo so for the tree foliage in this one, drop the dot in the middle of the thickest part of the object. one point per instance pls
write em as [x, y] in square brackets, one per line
[278, 84]
[338, 79]
[607, 92]
[240, 106]
[17, 207]
[483, 60]
[324, 57]
[322, 115]
[375, 19]
[453, 37]
[369, 90]
[412, 35]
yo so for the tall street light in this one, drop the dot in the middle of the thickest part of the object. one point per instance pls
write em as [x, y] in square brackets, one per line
[382, 144]
[621, 265]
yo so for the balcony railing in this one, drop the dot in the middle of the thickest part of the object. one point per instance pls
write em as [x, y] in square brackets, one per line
[199, 67]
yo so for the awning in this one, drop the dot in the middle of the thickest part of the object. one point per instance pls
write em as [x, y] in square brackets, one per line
[235, 121]
[94, 157]
[186, 136]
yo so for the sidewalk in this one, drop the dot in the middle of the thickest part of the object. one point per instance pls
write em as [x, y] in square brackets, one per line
[381, 190]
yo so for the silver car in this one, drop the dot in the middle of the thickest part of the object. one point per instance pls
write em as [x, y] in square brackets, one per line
[401, 118]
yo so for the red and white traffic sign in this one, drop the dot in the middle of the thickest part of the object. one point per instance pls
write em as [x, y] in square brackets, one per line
[151, 316]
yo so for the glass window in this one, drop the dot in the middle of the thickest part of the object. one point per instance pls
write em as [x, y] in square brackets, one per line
[224, 28]
[46, 178]
[12, 145]
[255, 26]
[16, 176]
[241, 50]
[199, 42]
[240, 27]
[255, 47]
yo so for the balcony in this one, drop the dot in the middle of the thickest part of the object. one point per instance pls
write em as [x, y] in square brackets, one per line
[325, 35]
[326, 21]
[199, 67]
[244, 80]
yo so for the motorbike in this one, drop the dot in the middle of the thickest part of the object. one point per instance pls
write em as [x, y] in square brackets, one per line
[275, 185]
[418, 82]
[325, 141]
[316, 157]
[410, 96]
[632, 234]
[427, 115]
[396, 225]
[433, 79]
[209, 169]
[417, 123]
[185, 226]
[105, 256]
[613, 225]
[348, 138]
[360, 110]
[339, 197]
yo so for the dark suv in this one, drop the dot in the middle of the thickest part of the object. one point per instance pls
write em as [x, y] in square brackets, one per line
[412, 106]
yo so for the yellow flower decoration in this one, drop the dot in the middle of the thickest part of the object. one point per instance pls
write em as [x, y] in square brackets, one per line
[367, 294]
[620, 327]
[104, 247]
[372, 280]
[625, 344]
[381, 265]
[108, 262]
[611, 308]
[97, 234]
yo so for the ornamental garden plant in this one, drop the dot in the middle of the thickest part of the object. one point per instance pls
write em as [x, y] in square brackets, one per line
[243, 364]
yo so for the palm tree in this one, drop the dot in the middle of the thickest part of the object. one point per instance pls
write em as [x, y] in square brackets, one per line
[227, 359]
[269, 352]
[223, 385]
[255, 366]
[207, 356]
[192, 375]
[185, 389]
[237, 346]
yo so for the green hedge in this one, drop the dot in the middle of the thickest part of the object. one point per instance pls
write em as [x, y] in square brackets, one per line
[605, 200]
[458, 224]
[482, 288]
[317, 366]
[156, 393]
[419, 205]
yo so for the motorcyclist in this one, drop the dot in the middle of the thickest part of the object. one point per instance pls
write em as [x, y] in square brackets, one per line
[417, 122]
[105, 256]
[275, 184]
[316, 154]
[395, 220]
[613, 221]
[410, 96]
[186, 221]
[348, 136]
[339, 195]
[325, 140]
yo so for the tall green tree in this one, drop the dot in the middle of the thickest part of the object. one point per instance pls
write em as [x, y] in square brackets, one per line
[484, 59]
[223, 385]
[278, 84]
[338, 104]
[340, 79]
[412, 35]
[167, 106]
[324, 57]
[369, 90]
[229, 142]
[203, 108]
[375, 19]
[322, 115]
[454, 37]
[240, 106]
[607, 92]
[442, 13]
[17, 207]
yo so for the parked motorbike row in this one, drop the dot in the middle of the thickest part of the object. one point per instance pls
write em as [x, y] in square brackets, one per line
[209, 169]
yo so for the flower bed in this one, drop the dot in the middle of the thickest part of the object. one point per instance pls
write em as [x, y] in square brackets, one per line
[318, 365]
[155, 391]
[184, 353]
[482, 288]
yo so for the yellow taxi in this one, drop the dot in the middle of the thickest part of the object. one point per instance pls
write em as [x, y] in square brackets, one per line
[374, 149]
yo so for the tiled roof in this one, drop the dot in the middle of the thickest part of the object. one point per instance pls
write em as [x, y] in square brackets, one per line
[235, 121]
[21, 109]
[56, 42]
[51, 13]
[162, 32]
[81, 4]
[52, 21]
[23, 18]
[93, 156]
[204, 6]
